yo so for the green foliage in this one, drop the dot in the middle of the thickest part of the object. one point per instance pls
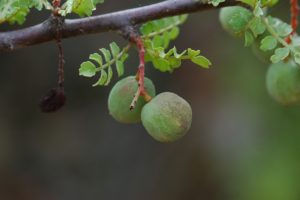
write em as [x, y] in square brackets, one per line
[271, 32]
[167, 117]
[268, 43]
[15, 11]
[215, 2]
[102, 63]
[157, 36]
[168, 61]
[262, 55]
[264, 3]
[120, 98]
[80, 7]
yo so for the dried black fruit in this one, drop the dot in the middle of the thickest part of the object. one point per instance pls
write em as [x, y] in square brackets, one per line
[53, 100]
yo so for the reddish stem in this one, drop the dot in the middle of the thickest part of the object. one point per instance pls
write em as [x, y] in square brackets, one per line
[294, 18]
[56, 3]
[141, 71]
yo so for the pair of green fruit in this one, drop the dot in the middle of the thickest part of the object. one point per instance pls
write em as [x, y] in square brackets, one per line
[167, 117]
[283, 78]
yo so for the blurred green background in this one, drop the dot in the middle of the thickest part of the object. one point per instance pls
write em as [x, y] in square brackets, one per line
[242, 145]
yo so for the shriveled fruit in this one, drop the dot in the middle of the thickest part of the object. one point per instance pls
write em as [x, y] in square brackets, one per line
[120, 98]
[283, 82]
[167, 117]
[234, 19]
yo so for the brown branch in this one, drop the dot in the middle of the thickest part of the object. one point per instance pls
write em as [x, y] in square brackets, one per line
[115, 21]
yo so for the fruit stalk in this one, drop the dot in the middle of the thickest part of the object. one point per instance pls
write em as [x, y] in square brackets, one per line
[137, 39]
[61, 60]
[55, 98]
[294, 18]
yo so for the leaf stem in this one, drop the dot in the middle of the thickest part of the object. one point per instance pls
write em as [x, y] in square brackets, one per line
[125, 50]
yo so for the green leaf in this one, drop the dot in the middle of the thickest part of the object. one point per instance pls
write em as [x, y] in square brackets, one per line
[115, 49]
[106, 53]
[15, 11]
[280, 54]
[174, 63]
[83, 7]
[98, 1]
[173, 34]
[124, 57]
[172, 59]
[251, 3]
[120, 67]
[193, 53]
[201, 61]
[96, 57]
[162, 31]
[249, 39]
[80, 7]
[102, 80]
[282, 29]
[178, 55]
[257, 26]
[87, 69]
[258, 10]
[114, 56]
[158, 41]
[161, 64]
[146, 28]
[268, 43]
[215, 2]
[297, 58]
[109, 75]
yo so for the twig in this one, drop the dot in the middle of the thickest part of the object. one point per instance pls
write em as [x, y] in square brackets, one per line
[294, 18]
[55, 98]
[115, 21]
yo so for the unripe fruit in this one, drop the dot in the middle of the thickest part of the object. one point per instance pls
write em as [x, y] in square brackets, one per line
[283, 82]
[234, 19]
[167, 117]
[121, 96]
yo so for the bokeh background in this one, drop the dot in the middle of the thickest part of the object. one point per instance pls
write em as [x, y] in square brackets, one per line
[242, 145]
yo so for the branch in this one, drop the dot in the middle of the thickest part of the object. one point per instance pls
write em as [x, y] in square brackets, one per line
[114, 21]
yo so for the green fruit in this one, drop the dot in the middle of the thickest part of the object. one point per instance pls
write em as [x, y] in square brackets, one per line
[121, 96]
[283, 82]
[167, 117]
[234, 19]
